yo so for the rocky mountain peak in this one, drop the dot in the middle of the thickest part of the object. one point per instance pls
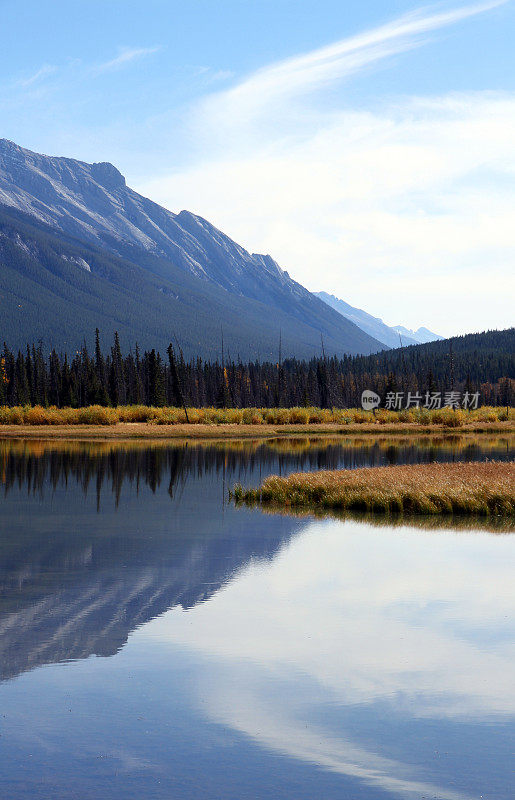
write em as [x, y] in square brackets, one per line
[107, 175]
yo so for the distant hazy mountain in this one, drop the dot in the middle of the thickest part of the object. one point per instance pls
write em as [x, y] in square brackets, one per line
[79, 248]
[421, 335]
[372, 325]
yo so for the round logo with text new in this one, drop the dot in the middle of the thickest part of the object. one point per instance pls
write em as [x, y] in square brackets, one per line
[369, 400]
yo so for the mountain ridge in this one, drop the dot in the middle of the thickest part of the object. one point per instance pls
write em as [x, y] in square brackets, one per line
[392, 337]
[92, 204]
[41, 272]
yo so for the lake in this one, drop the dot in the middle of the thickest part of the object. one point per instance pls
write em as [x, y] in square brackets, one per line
[157, 642]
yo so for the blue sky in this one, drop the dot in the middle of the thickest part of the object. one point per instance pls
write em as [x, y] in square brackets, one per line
[380, 169]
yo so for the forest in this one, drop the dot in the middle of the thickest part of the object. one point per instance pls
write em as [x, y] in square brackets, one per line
[476, 363]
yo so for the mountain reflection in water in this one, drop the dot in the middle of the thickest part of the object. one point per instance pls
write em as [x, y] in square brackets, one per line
[350, 650]
[77, 584]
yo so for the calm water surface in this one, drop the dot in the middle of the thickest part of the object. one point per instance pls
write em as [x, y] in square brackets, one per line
[156, 642]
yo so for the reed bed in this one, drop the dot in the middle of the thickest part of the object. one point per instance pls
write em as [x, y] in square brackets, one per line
[101, 415]
[482, 489]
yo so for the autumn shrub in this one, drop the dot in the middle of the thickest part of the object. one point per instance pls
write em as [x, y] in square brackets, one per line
[299, 416]
[360, 416]
[97, 415]
[340, 416]
[437, 416]
[486, 414]
[382, 417]
[252, 416]
[453, 419]
[277, 416]
[283, 416]
[169, 416]
[139, 413]
[195, 416]
[218, 416]
[233, 416]
[68, 416]
[35, 415]
[11, 416]
[165, 416]
[53, 415]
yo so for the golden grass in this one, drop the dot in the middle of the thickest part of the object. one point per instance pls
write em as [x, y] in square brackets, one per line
[456, 488]
[99, 415]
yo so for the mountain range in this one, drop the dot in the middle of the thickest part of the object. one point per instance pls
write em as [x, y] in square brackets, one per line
[391, 337]
[421, 335]
[79, 249]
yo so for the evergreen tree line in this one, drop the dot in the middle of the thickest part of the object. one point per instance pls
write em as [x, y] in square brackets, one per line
[484, 365]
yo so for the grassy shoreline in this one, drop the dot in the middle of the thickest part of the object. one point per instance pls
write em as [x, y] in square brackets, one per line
[146, 430]
[210, 423]
[483, 489]
[298, 415]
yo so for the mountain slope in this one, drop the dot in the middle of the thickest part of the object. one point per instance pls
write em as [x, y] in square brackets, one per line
[392, 337]
[173, 254]
[58, 288]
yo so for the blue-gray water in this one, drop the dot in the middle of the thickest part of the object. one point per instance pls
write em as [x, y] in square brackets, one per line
[156, 642]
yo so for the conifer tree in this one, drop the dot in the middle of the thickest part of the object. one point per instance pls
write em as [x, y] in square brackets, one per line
[117, 389]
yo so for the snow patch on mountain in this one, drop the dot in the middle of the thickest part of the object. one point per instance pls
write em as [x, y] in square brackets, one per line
[79, 262]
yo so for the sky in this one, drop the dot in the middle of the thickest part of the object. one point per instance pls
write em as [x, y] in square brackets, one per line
[368, 147]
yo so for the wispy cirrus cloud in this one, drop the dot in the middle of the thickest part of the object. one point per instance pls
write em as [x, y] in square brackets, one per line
[125, 56]
[312, 71]
[43, 72]
[212, 75]
[381, 205]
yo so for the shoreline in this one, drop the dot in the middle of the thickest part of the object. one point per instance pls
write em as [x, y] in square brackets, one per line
[126, 431]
